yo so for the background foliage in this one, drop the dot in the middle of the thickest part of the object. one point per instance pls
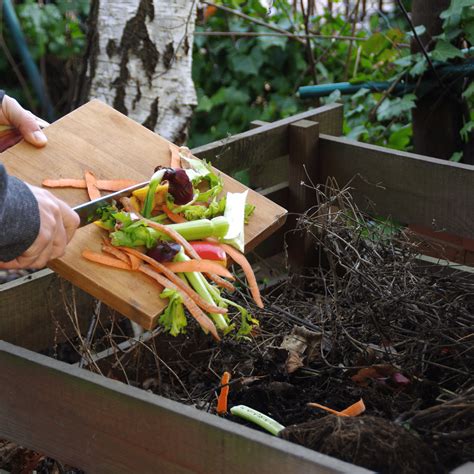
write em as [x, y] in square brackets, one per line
[240, 79]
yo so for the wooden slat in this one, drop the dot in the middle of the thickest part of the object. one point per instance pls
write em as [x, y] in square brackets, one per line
[32, 309]
[409, 188]
[303, 170]
[267, 141]
[98, 138]
[103, 426]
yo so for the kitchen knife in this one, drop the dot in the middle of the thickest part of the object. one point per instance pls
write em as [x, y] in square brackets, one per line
[87, 211]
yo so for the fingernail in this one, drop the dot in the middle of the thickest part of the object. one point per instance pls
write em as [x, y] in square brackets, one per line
[40, 137]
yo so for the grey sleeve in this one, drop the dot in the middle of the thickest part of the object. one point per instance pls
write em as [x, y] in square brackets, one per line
[19, 217]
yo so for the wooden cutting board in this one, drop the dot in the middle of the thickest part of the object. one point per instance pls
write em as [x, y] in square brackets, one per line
[96, 137]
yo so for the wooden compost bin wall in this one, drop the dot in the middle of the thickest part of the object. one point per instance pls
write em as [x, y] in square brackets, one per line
[102, 425]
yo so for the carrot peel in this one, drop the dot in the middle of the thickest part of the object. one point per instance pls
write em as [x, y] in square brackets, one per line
[224, 394]
[354, 410]
[247, 268]
[91, 183]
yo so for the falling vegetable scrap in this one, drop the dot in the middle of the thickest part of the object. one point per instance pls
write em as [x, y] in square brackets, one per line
[162, 231]
[354, 410]
[224, 394]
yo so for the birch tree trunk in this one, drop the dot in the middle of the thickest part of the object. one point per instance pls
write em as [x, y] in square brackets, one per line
[139, 59]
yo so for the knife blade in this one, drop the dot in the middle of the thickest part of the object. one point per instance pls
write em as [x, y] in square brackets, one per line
[87, 210]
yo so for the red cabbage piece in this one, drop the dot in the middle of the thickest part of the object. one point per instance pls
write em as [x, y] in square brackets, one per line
[164, 251]
[180, 187]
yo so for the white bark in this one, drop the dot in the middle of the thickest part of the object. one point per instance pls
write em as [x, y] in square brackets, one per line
[141, 62]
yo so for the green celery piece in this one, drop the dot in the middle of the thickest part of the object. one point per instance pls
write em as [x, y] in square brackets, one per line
[154, 182]
[137, 233]
[198, 283]
[215, 208]
[247, 321]
[173, 318]
[264, 421]
[235, 214]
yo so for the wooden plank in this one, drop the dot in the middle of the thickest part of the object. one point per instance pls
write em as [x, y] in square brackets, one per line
[96, 137]
[267, 141]
[32, 309]
[409, 188]
[103, 426]
[304, 139]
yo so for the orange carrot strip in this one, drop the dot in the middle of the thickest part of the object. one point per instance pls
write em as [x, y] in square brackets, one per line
[91, 183]
[204, 321]
[103, 184]
[183, 287]
[172, 216]
[356, 409]
[107, 248]
[135, 262]
[224, 394]
[189, 250]
[175, 159]
[246, 267]
[105, 259]
[64, 183]
[130, 259]
[203, 266]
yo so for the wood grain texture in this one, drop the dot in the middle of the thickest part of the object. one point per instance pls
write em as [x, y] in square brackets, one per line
[95, 137]
[33, 310]
[303, 172]
[103, 426]
[409, 188]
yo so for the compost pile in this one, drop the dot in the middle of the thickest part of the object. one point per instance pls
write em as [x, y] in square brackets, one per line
[370, 322]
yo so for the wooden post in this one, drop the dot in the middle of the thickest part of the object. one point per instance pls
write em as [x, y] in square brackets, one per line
[303, 173]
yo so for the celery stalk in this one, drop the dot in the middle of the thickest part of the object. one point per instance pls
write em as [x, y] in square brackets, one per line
[264, 421]
[198, 282]
[136, 233]
[202, 228]
[150, 195]
[235, 214]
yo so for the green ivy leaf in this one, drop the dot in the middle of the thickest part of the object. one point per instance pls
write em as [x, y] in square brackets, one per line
[469, 92]
[456, 157]
[455, 8]
[244, 64]
[445, 50]
[205, 104]
[375, 44]
[400, 139]
[469, 31]
[396, 107]
[419, 67]
[466, 130]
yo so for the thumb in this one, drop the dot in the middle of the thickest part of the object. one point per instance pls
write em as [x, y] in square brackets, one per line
[24, 121]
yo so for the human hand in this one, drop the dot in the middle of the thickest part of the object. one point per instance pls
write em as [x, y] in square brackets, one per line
[12, 113]
[58, 222]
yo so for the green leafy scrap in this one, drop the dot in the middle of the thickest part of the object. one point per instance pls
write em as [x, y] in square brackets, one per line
[173, 318]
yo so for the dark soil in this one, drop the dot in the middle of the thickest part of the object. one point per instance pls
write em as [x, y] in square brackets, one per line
[369, 323]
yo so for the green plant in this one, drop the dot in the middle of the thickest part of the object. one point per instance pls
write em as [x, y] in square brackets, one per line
[242, 79]
[53, 28]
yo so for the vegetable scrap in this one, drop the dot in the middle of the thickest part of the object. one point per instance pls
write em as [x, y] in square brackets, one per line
[103, 184]
[260, 419]
[162, 230]
[354, 410]
[224, 394]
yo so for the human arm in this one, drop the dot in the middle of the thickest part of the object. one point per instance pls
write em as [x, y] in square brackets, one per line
[35, 226]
